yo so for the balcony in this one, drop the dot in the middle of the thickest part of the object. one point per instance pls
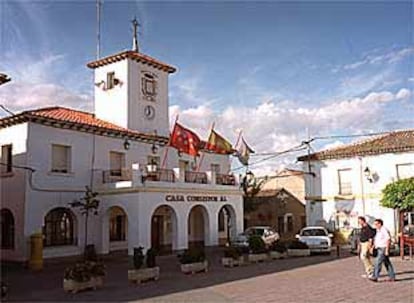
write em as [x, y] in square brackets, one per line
[142, 176]
[195, 177]
[222, 179]
[116, 175]
[161, 175]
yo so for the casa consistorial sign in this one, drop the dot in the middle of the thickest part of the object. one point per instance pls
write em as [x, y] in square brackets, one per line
[195, 198]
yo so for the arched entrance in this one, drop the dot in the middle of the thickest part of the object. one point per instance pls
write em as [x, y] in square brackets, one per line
[164, 229]
[198, 226]
[60, 227]
[7, 229]
[118, 229]
[226, 225]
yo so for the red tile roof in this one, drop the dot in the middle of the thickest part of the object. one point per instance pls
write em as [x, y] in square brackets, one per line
[398, 141]
[77, 120]
[134, 56]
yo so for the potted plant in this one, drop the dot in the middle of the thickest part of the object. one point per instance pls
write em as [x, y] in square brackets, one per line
[150, 272]
[298, 249]
[278, 250]
[233, 256]
[83, 275]
[257, 249]
[193, 261]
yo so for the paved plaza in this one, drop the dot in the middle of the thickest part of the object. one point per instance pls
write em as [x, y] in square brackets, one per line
[310, 279]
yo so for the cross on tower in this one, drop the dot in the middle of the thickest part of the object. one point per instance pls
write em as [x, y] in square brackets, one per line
[135, 25]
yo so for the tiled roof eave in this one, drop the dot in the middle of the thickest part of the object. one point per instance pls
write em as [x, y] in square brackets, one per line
[339, 155]
[128, 54]
[82, 127]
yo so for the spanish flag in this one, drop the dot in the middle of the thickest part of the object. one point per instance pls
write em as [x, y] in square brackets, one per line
[218, 144]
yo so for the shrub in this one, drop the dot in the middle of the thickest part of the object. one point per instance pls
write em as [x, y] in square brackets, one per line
[279, 246]
[150, 258]
[297, 245]
[232, 252]
[257, 245]
[138, 257]
[84, 271]
[193, 255]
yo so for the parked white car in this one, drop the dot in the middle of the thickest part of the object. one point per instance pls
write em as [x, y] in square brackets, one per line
[268, 234]
[317, 238]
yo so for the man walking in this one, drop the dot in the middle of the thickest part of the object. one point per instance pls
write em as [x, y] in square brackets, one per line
[366, 239]
[382, 242]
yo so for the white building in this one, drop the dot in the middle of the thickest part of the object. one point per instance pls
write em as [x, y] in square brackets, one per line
[347, 181]
[49, 155]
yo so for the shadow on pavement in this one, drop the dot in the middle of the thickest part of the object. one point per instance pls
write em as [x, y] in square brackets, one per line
[47, 285]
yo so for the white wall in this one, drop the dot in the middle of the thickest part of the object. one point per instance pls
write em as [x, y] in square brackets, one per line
[112, 105]
[12, 187]
[49, 190]
[366, 195]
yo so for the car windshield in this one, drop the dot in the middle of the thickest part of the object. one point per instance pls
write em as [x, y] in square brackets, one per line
[255, 231]
[313, 232]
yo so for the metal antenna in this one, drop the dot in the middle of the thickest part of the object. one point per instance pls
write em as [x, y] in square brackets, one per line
[98, 29]
[135, 25]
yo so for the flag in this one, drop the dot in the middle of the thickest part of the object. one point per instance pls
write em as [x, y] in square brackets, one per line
[243, 152]
[185, 140]
[218, 144]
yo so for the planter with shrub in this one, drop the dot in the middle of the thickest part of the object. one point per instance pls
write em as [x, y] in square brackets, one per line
[257, 249]
[278, 250]
[233, 256]
[298, 249]
[83, 275]
[150, 272]
[193, 261]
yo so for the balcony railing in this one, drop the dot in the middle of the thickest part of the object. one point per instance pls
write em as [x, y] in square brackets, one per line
[161, 175]
[116, 175]
[195, 177]
[223, 179]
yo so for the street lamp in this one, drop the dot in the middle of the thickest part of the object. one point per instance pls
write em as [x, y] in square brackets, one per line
[4, 78]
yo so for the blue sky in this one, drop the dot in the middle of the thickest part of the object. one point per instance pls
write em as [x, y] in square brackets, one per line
[273, 69]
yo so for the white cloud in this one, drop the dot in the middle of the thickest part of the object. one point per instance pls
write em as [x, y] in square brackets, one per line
[269, 127]
[403, 94]
[390, 57]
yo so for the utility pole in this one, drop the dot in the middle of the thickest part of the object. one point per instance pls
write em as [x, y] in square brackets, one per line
[98, 29]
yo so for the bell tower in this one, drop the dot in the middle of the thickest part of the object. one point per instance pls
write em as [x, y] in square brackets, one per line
[131, 90]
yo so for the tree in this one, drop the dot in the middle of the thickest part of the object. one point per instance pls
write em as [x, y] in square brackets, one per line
[88, 203]
[399, 195]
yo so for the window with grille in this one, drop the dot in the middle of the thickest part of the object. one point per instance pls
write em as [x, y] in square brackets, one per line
[59, 228]
[116, 163]
[6, 159]
[345, 181]
[61, 158]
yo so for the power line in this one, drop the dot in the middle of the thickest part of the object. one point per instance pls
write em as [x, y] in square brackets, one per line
[6, 110]
[292, 149]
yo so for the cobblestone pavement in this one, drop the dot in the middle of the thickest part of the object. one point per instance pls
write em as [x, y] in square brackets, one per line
[310, 279]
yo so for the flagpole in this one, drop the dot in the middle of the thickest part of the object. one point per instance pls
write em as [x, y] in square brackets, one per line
[168, 144]
[202, 156]
[238, 138]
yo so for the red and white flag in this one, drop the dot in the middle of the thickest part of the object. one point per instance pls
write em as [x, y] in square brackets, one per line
[185, 140]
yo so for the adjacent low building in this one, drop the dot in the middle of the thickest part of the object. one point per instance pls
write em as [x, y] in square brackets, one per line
[347, 181]
[277, 208]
